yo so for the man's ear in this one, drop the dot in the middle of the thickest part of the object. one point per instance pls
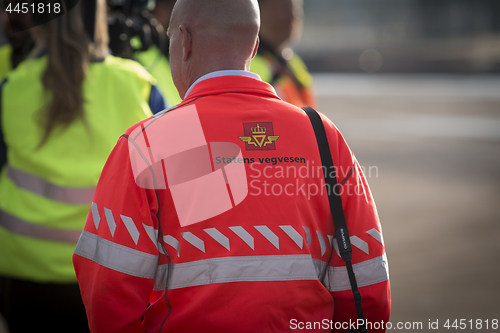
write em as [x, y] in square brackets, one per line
[256, 47]
[187, 43]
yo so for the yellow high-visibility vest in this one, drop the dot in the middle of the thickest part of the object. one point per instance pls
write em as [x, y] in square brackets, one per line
[5, 60]
[45, 193]
[158, 65]
[292, 82]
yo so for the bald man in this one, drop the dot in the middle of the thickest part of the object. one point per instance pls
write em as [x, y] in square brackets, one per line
[207, 36]
[213, 216]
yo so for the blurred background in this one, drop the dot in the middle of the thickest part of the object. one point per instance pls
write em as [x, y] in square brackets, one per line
[410, 36]
[414, 86]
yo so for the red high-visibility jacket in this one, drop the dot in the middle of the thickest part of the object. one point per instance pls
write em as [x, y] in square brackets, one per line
[213, 217]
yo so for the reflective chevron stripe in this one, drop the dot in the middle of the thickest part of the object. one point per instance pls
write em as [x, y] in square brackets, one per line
[308, 236]
[198, 240]
[227, 269]
[216, 234]
[359, 243]
[173, 243]
[40, 186]
[293, 234]
[111, 221]
[367, 273]
[95, 215]
[322, 243]
[219, 237]
[128, 222]
[117, 257]
[238, 269]
[20, 227]
[132, 229]
[269, 235]
[193, 240]
[244, 235]
[376, 234]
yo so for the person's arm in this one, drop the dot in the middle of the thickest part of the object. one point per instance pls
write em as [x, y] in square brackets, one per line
[116, 257]
[368, 252]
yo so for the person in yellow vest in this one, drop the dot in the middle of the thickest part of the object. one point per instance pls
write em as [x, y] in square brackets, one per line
[20, 43]
[5, 60]
[156, 57]
[275, 62]
[62, 112]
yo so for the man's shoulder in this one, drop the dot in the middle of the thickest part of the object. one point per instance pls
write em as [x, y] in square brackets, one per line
[137, 127]
[151, 124]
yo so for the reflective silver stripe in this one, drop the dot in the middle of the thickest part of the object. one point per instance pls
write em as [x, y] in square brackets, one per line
[116, 257]
[132, 229]
[72, 195]
[293, 234]
[322, 243]
[269, 235]
[110, 219]
[95, 215]
[360, 244]
[219, 237]
[237, 269]
[244, 235]
[194, 240]
[367, 273]
[376, 234]
[308, 236]
[20, 227]
[173, 243]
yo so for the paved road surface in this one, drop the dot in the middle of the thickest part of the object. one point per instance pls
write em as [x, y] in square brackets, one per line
[430, 146]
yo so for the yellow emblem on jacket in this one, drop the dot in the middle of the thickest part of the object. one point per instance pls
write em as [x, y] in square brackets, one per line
[259, 136]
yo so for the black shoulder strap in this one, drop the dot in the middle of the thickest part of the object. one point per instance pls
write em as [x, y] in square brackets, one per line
[335, 200]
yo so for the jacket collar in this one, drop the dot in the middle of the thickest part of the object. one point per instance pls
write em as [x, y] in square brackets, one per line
[229, 81]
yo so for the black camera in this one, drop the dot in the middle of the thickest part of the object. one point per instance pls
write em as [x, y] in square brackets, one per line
[133, 28]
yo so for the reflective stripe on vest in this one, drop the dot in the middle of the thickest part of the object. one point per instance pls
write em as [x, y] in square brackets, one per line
[21, 227]
[159, 66]
[368, 272]
[227, 269]
[71, 195]
[201, 272]
[237, 269]
[117, 257]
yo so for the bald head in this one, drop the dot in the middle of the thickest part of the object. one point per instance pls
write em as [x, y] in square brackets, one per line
[211, 35]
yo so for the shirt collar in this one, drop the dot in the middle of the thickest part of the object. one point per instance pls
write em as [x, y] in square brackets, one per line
[222, 73]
